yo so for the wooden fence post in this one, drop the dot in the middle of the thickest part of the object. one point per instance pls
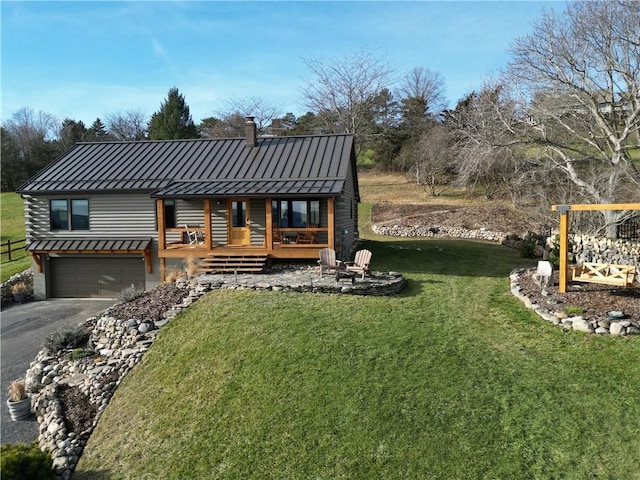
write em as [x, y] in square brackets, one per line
[8, 245]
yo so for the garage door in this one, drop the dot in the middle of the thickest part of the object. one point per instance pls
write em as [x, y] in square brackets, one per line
[73, 277]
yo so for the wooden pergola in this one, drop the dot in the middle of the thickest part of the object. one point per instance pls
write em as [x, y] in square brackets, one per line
[564, 231]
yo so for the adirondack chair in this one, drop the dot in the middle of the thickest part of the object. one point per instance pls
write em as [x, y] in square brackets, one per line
[307, 237]
[194, 236]
[360, 263]
[327, 261]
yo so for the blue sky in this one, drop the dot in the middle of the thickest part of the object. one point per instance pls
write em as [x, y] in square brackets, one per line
[84, 60]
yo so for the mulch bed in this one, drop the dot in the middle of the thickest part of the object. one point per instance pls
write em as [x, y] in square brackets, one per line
[595, 299]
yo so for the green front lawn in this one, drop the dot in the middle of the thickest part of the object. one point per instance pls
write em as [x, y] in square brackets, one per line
[452, 379]
[12, 228]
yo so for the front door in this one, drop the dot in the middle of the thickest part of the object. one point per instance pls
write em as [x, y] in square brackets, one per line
[239, 222]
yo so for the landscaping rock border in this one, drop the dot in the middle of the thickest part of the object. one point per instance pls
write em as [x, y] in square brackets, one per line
[615, 328]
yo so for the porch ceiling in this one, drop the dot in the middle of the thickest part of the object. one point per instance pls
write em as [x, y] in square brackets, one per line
[251, 188]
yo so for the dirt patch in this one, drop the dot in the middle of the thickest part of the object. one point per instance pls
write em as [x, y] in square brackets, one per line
[495, 218]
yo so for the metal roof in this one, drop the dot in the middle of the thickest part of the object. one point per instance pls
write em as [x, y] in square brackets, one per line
[316, 164]
[252, 188]
[77, 245]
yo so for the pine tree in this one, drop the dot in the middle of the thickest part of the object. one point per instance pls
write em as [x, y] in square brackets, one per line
[97, 132]
[173, 120]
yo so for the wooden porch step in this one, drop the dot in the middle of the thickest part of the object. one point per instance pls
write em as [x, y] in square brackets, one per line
[229, 263]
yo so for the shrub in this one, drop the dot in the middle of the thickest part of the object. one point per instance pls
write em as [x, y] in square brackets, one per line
[129, 293]
[574, 310]
[191, 266]
[554, 253]
[68, 339]
[17, 390]
[174, 274]
[19, 287]
[19, 461]
[529, 243]
[79, 353]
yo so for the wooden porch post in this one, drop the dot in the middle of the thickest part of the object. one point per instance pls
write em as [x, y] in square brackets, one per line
[331, 220]
[269, 225]
[162, 235]
[208, 234]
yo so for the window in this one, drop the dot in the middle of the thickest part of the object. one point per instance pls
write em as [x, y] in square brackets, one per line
[69, 214]
[170, 214]
[239, 214]
[295, 213]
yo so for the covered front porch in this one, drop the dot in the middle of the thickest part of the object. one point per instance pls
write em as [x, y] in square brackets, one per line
[277, 227]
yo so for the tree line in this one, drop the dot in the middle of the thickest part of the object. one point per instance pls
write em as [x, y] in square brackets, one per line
[560, 124]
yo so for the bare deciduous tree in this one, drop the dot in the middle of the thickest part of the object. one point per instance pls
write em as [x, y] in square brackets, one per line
[343, 89]
[33, 143]
[130, 125]
[262, 111]
[433, 155]
[486, 149]
[230, 123]
[427, 85]
[582, 70]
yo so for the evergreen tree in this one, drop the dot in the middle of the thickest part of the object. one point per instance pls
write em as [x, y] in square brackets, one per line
[12, 174]
[70, 133]
[97, 132]
[173, 120]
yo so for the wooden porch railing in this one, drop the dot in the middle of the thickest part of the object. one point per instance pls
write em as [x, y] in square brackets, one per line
[290, 237]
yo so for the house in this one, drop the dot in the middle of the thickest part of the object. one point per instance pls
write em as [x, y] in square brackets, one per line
[107, 215]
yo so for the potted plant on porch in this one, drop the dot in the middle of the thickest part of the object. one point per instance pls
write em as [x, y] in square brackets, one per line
[19, 403]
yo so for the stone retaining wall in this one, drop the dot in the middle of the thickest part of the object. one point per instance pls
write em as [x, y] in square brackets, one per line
[437, 231]
[588, 248]
[25, 277]
[585, 248]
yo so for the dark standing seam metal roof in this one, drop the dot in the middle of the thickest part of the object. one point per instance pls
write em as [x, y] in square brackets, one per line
[305, 165]
[75, 244]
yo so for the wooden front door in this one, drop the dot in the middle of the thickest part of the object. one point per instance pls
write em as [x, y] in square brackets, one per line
[239, 222]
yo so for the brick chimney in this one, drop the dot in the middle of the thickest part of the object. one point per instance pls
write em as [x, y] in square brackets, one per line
[251, 132]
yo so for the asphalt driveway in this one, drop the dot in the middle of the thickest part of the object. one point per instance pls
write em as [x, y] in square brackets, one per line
[23, 328]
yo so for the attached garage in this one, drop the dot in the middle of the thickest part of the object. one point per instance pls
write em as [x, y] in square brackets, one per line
[83, 277]
[87, 268]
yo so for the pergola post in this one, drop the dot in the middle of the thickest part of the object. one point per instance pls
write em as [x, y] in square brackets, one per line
[564, 248]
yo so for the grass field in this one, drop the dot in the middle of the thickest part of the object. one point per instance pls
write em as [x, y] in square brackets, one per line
[12, 228]
[452, 379]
